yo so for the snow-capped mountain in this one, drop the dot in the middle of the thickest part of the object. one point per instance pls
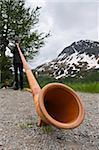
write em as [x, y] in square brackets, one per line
[79, 57]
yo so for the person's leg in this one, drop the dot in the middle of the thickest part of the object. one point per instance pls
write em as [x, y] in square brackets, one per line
[21, 75]
[16, 76]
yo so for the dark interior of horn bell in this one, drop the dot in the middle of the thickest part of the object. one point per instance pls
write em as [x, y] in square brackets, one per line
[61, 105]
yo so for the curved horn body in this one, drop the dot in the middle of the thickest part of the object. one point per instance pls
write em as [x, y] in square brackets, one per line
[56, 103]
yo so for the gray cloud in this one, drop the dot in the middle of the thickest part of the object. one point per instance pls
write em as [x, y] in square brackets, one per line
[69, 16]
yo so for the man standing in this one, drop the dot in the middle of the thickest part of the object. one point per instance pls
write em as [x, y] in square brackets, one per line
[18, 66]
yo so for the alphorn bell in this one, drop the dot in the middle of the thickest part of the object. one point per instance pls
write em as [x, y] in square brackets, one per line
[56, 103]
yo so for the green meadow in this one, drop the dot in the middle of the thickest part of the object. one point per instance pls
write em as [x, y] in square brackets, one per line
[91, 86]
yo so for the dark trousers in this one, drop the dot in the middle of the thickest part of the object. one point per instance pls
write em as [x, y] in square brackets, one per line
[18, 82]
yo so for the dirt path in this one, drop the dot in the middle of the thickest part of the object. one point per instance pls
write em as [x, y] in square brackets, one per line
[18, 129]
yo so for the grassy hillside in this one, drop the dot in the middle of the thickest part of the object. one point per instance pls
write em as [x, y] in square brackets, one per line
[89, 83]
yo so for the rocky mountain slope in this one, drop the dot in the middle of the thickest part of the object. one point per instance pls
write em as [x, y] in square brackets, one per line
[81, 56]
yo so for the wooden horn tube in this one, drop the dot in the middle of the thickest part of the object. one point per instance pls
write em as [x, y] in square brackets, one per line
[56, 103]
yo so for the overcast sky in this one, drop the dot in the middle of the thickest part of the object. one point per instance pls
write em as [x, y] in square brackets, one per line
[68, 21]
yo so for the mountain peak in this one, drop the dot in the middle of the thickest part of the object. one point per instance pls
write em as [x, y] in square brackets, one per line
[91, 47]
[79, 57]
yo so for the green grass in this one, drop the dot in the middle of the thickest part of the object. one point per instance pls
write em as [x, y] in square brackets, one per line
[47, 129]
[85, 87]
[91, 86]
[26, 125]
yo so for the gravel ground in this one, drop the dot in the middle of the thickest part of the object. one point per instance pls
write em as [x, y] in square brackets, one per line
[19, 131]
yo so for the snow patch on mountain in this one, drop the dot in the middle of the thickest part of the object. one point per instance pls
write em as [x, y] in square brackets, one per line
[78, 57]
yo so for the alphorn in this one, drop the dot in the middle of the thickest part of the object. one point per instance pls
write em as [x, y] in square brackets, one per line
[56, 103]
